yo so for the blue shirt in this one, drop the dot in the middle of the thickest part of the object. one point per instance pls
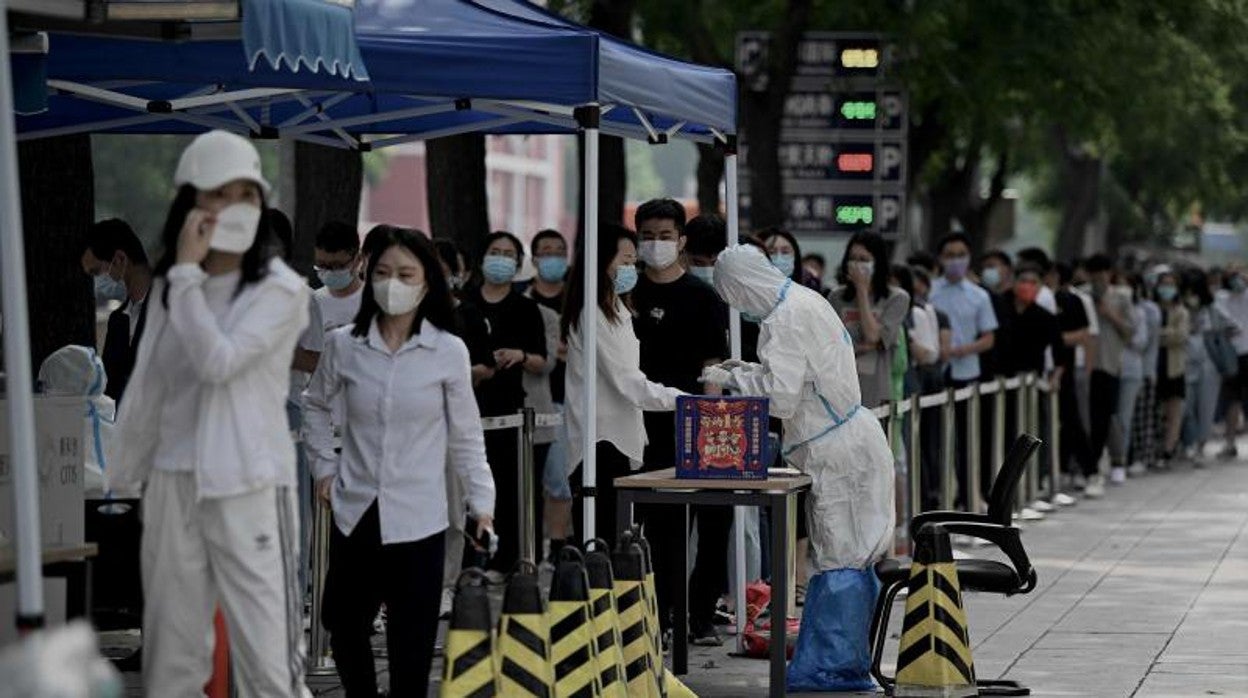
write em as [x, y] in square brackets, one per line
[969, 308]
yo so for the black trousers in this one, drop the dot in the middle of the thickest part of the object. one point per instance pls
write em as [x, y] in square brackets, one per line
[500, 449]
[610, 465]
[1102, 406]
[961, 457]
[1076, 449]
[407, 578]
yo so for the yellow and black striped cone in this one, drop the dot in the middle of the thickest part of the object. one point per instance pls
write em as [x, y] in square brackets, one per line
[935, 654]
[571, 631]
[469, 660]
[523, 658]
[606, 624]
[652, 613]
[630, 607]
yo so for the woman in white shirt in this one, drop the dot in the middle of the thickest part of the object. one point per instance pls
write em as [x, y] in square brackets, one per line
[623, 391]
[410, 418]
[204, 428]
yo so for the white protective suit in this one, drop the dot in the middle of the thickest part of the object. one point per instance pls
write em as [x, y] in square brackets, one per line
[74, 371]
[808, 372]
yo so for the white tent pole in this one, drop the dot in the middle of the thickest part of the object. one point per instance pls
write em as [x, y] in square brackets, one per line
[19, 382]
[589, 315]
[739, 514]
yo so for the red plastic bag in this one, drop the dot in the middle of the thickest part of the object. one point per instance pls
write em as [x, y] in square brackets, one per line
[757, 637]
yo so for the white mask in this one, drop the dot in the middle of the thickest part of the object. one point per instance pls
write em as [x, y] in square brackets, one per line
[659, 254]
[235, 229]
[397, 298]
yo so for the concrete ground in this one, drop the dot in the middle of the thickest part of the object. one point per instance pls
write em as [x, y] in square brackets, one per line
[1143, 593]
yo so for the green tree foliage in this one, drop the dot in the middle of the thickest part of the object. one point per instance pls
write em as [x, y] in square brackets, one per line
[1131, 107]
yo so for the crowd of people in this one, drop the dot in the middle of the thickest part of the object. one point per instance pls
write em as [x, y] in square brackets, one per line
[244, 396]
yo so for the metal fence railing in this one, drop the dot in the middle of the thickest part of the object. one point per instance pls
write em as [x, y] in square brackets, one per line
[902, 421]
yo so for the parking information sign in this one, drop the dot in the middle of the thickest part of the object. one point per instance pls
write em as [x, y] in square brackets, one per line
[843, 135]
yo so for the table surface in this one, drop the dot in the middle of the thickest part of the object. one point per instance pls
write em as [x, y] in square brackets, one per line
[50, 556]
[778, 480]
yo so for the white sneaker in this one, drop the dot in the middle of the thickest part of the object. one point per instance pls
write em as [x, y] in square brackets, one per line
[1029, 514]
[1064, 500]
[448, 602]
[1136, 470]
[1118, 475]
[1095, 488]
[1042, 506]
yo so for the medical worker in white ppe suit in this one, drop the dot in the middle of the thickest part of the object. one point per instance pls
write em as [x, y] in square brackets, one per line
[807, 371]
[203, 430]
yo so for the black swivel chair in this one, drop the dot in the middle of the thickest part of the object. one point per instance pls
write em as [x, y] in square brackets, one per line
[990, 576]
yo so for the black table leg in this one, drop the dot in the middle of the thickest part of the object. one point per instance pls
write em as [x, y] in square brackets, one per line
[780, 530]
[680, 621]
[623, 515]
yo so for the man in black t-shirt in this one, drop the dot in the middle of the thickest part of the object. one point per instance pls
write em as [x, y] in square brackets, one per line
[680, 322]
[1072, 322]
[1033, 330]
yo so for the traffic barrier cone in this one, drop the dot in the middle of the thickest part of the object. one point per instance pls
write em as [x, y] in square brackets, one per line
[469, 658]
[935, 653]
[524, 638]
[676, 688]
[219, 684]
[630, 607]
[652, 614]
[605, 622]
[571, 633]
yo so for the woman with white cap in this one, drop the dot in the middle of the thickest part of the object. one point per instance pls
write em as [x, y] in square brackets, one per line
[808, 372]
[203, 432]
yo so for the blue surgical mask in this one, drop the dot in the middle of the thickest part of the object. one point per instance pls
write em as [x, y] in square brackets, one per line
[1167, 293]
[784, 262]
[991, 276]
[498, 269]
[706, 274]
[108, 289]
[336, 279]
[552, 269]
[625, 279]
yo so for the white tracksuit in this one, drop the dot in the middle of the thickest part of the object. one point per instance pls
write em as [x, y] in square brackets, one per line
[203, 425]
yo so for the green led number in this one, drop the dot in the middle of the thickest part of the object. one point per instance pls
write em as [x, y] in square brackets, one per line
[853, 215]
[858, 111]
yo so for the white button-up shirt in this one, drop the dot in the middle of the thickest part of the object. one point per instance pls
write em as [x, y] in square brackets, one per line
[410, 415]
[623, 390]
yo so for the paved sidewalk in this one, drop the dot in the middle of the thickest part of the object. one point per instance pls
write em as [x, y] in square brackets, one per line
[1143, 593]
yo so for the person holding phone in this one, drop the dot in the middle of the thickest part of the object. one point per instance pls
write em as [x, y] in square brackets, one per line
[410, 421]
[203, 433]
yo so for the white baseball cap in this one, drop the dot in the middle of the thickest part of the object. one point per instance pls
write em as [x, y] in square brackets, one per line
[217, 158]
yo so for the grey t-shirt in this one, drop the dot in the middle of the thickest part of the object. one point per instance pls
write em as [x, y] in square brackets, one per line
[874, 365]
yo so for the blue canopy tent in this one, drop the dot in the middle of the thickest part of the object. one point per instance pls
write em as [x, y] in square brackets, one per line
[436, 68]
[286, 37]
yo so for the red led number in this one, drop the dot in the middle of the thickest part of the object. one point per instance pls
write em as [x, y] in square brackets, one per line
[855, 162]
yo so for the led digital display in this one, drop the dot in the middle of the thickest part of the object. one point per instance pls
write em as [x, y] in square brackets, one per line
[860, 58]
[855, 215]
[855, 162]
[858, 110]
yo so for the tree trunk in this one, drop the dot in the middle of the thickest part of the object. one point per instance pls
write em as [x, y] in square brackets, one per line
[761, 112]
[58, 207]
[328, 182]
[710, 172]
[616, 18]
[1082, 178]
[459, 209]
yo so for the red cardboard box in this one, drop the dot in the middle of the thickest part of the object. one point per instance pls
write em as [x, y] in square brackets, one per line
[721, 437]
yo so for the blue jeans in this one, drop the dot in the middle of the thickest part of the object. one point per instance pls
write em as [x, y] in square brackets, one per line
[303, 474]
[1202, 402]
[555, 473]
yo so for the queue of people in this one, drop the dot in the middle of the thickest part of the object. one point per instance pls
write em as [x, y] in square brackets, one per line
[243, 395]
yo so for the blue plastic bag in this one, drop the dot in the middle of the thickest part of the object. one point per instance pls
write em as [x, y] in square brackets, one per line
[833, 651]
